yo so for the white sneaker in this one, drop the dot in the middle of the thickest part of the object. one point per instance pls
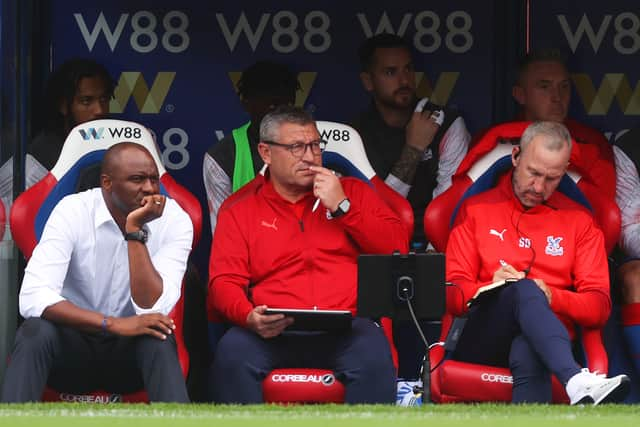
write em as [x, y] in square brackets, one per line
[587, 387]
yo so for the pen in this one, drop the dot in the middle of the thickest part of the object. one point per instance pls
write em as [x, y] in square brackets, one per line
[503, 263]
[317, 202]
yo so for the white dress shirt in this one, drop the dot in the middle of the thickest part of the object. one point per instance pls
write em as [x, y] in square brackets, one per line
[82, 257]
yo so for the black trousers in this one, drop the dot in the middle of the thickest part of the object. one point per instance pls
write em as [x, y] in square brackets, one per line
[78, 362]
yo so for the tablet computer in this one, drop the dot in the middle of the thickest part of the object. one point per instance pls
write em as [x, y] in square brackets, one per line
[315, 320]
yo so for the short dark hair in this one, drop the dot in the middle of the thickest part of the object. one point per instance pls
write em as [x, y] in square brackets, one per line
[63, 84]
[267, 78]
[270, 125]
[540, 55]
[380, 41]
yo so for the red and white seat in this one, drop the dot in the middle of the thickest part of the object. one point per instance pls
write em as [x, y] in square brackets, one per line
[454, 381]
[84, 149]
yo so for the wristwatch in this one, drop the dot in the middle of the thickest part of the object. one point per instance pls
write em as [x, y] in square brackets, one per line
[343, 208]
[140, 235]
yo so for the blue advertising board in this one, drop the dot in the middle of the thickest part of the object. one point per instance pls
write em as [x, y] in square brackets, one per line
[176, 63]
[602, 43]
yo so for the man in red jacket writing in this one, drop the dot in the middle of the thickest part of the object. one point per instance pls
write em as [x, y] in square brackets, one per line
[273, 248]
[525, 230]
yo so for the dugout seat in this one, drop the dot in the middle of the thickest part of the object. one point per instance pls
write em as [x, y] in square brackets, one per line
[345, 154]
[453, 381]
[77, 167]
[478, 160]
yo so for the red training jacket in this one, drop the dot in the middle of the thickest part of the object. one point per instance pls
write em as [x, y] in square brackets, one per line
[262, 253]
[558, 240]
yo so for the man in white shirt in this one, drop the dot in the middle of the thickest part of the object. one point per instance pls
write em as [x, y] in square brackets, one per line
[98, 288]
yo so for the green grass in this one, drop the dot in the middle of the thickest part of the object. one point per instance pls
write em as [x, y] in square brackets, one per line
[158, 415]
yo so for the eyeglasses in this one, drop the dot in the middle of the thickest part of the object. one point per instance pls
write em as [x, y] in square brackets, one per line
[299, 148]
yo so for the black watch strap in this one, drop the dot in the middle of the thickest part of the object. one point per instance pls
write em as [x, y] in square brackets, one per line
[343, 208]
[140, 236]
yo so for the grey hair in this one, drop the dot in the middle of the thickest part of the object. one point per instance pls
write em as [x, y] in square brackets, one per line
[557, 135]
[270, 125]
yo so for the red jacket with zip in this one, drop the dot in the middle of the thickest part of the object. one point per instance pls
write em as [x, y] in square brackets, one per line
[557, 241]
[267, 250]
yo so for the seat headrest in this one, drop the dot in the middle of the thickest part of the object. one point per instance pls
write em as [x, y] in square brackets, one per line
[486, 171]
[84, 148]
[92, 139]
[344, 151]
[487, 159]
[492, 158]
